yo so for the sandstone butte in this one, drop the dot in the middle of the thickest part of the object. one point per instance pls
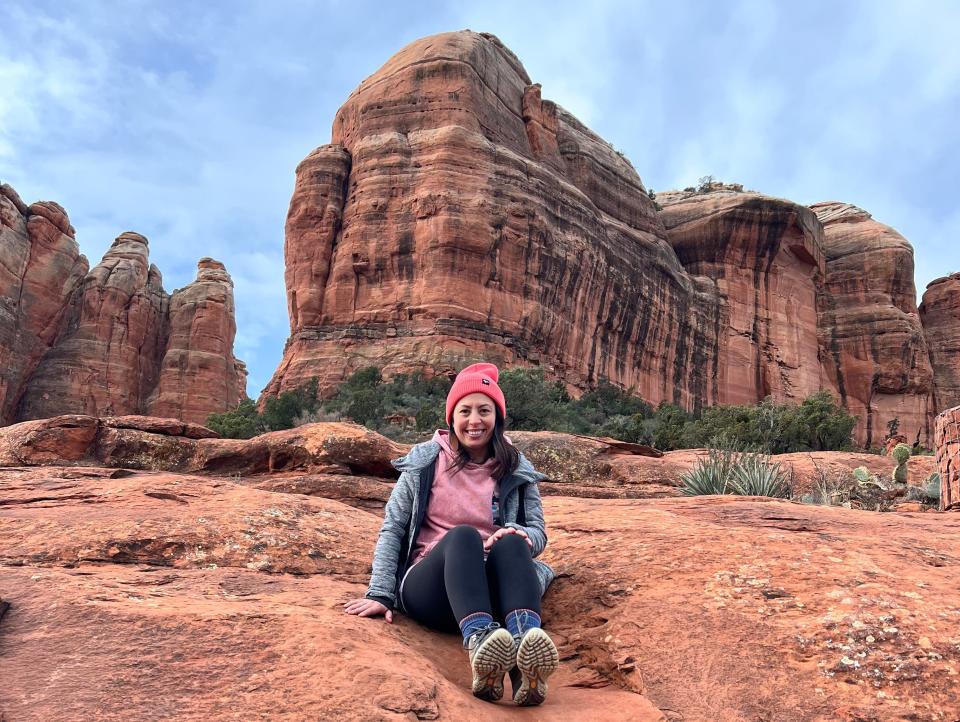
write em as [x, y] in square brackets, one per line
[457, 215]
[154, 572]
[111, 340]
[940, 312]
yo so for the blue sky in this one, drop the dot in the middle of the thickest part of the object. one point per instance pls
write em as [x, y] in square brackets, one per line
[184, 121]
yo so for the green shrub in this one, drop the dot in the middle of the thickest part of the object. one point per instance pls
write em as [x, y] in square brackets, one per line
[669, 424]
[533, 403]
[818, 424]
[241, 423]
[280, 412]
[607, 405]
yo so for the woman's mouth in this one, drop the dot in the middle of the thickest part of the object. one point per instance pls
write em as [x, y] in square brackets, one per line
[475, 433]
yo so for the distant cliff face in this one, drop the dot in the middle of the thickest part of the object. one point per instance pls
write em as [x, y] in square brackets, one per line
[457, 215]
[764, 255]
[940, 313]
[874, 353]
[111, 340]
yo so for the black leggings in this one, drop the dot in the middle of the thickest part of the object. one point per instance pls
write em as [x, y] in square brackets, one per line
[453, 580]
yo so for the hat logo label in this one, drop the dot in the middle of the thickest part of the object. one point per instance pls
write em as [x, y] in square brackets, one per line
[485, 382]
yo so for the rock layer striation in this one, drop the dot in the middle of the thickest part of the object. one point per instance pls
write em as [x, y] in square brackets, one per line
[40, 268]
[764, 256]
[459, 215]
[874, 351]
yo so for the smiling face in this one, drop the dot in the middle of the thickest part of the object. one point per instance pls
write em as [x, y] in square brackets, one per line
[473, 420]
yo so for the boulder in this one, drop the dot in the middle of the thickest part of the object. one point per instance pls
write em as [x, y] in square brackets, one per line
[139, 442]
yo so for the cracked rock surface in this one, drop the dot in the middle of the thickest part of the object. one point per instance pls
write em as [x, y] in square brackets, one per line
[157, 594]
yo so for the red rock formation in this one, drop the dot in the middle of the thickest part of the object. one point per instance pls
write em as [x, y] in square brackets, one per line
[875, 354]
[947, 440]
[198, 373]
[110, 341]
[458, 215]
[105, 360]
[940, 315]
[40, 267]
[765, 257]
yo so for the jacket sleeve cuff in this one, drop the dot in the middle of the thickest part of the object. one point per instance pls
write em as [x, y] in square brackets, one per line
[385, 601]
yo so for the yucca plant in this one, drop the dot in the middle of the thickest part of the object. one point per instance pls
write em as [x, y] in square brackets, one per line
[757, 475]
[726, 471]
[711, 475]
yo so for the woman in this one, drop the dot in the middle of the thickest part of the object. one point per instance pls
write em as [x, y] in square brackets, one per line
[458, 541]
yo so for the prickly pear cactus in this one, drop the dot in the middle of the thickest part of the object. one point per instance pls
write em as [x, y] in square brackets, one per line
[901, 454]
[862, 474]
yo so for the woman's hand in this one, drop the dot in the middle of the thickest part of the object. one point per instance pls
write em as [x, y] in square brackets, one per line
[368, 608]
[500, 533]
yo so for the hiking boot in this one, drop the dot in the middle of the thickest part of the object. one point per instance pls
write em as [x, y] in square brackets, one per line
[492, 653]
[537, 659]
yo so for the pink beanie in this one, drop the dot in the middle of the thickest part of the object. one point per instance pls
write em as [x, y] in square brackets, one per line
[480, 378]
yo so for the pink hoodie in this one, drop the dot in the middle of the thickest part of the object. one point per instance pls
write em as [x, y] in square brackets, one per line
[462, 497]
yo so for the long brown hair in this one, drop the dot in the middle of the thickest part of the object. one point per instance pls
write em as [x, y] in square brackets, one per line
[499, 448]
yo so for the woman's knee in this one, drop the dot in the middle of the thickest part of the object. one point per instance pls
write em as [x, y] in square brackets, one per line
[512, 545]
[465, 534]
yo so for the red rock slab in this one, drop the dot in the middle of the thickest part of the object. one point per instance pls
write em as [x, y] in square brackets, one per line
[121, 642]
[143, 443]
[63, 439]
[588, 467]
[66, 516]
[362, 492]
[719, 608]
[810, 467]
[156, 425]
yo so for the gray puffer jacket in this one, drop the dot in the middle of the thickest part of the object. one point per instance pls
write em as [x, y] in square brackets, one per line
[407, 508]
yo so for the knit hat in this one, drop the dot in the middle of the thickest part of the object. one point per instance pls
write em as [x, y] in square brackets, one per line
[480, 378]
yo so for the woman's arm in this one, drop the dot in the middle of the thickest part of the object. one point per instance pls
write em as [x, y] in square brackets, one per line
[536, 527]
[388, 552]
